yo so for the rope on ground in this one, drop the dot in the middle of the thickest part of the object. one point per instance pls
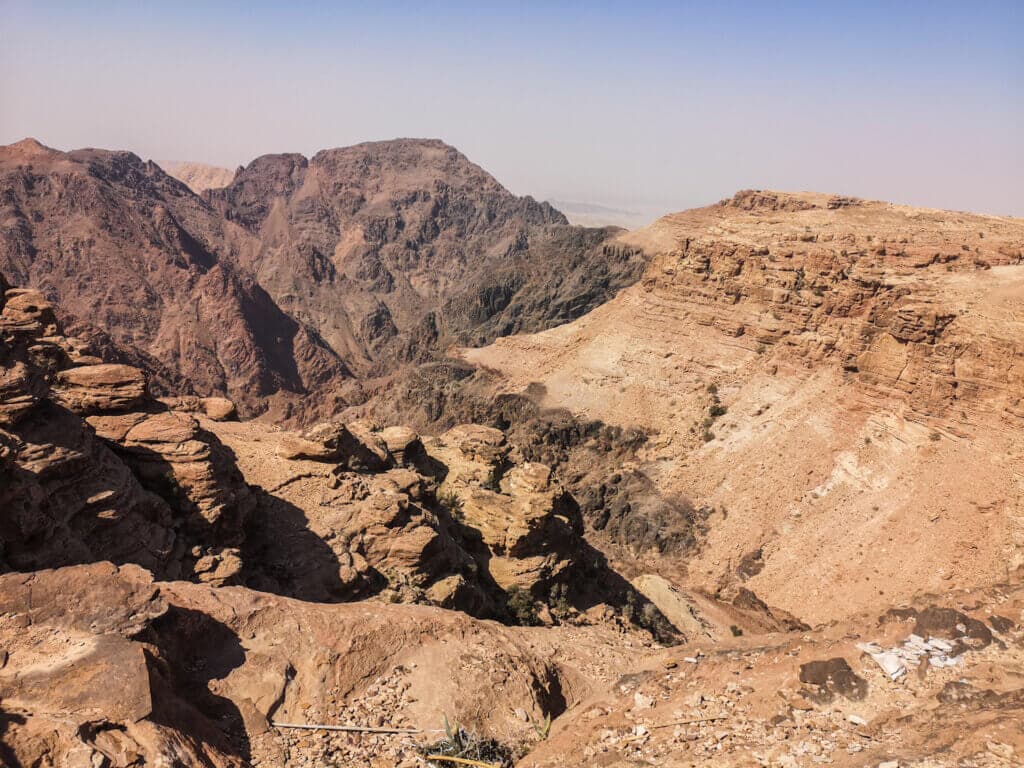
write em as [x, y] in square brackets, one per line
[462, 761]
[349, 728]
[690, 722]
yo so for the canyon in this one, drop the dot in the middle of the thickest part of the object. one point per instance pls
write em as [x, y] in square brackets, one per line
[364, 439]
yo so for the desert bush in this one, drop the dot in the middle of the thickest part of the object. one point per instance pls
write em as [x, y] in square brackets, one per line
[558, 600]
[452, 503]
[467, 745]
[521, 607]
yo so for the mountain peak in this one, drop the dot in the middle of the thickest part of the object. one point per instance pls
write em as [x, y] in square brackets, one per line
[28, 147]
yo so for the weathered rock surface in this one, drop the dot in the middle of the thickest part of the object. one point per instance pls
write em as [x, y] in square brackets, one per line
[131, 482]
[98, 388]
[352, 445]
[79, 690]
[104, 667]
[812, 374]
[813, 698]
[530, 526]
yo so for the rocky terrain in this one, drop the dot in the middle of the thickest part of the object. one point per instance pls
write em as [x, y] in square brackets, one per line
[740, 488]
[316, 274]
[105, 487]
[815, 373]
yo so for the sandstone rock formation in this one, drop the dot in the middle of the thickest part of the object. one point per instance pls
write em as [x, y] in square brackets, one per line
[98, 469]
[812, 699]
[530, 525]
[814, 373]
[95, 468]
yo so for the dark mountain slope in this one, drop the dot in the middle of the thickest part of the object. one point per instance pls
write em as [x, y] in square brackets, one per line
[299, 274]
[138, 260]
[395, 249]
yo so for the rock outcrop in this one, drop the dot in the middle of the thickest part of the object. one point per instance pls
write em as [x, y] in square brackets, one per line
[453, 521]
[101, 666]
[79, 690]
[96, 469]
[530, 525]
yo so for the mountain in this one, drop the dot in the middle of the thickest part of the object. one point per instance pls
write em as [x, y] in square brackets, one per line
[178, 587]
[301, 276]
[762, 506]
[396, 249]
[149, 271]
[199, 177]
[836, 386]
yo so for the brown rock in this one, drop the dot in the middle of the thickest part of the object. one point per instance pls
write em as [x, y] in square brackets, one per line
[402, 443]
[27, 311]
[219, 408]
[353, 446]
[99, 388]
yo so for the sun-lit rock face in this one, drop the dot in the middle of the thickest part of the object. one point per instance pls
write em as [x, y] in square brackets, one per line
[814, 374]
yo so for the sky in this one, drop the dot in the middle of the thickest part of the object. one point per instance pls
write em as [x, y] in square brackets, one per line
[644, 106]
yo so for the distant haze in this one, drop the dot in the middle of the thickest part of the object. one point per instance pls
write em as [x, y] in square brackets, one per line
[637, 108]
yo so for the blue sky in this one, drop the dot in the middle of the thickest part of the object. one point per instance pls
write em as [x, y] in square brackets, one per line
[652, 106]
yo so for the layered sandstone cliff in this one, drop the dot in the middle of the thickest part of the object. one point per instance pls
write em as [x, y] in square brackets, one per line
[835, 383]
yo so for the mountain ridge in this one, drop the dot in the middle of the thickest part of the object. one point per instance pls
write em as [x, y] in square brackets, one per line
[141, 251]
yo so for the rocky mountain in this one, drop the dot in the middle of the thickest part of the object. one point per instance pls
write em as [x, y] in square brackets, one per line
[151, 274]
[743, 487]
[396, 249]
[301, 276]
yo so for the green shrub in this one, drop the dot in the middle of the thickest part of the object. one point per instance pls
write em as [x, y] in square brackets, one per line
[558, 600]
[452, 503]
[521, 607]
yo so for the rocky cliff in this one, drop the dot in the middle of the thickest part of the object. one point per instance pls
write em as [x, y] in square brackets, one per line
[798, 436]
[835, 383]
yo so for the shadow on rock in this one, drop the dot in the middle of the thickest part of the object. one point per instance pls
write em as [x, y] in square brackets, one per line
[7, 756]
[195, 651]
[280, 554]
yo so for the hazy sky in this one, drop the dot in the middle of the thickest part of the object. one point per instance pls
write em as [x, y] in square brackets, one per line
[638, 105]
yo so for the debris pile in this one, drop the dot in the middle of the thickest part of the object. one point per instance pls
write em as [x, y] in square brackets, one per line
[914, 651]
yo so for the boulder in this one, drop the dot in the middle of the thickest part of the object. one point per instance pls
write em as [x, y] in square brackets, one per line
[215, 408]
[100, 388]
[27, 311]
[219, 408]
[402, 443]
[354, 446]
